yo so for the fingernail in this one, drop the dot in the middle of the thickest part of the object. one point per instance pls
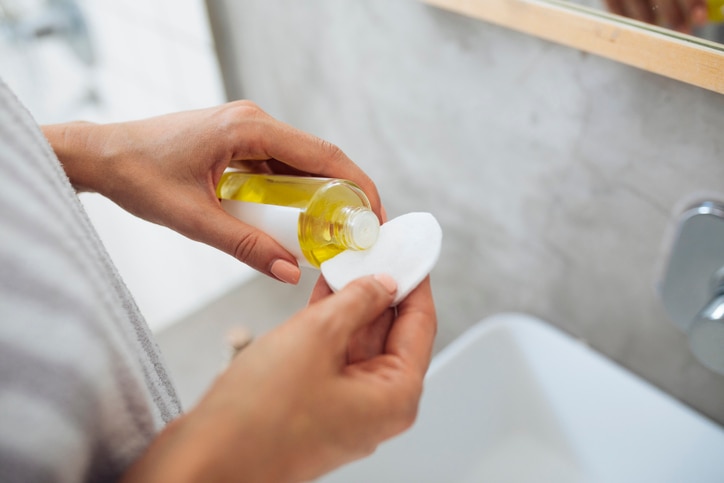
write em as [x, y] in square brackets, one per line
[285, 271]
[387, 281]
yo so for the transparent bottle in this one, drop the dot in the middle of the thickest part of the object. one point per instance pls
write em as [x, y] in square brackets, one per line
[313, 218]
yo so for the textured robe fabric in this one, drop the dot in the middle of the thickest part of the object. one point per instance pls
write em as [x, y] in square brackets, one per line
[83, 389]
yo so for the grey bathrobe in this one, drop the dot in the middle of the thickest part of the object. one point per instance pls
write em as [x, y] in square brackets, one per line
[83, 389]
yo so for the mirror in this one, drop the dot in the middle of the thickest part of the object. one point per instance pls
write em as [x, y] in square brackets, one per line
[700, 18]
[583, 26]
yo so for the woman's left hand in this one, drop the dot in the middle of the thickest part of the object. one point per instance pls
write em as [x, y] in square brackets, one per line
[165, 170]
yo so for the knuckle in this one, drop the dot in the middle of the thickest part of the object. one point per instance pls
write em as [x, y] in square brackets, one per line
[237, 114]
[366, 290]
[245, 107]
[409, 415]
[407, 411]
[330, 156]
[242, 125]
[367, 450]
[332, 153]
[364, 284]
[246, 246]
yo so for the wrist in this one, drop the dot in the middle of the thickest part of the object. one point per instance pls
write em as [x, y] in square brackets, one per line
[80, 151]
[236, 446]
[204, 446]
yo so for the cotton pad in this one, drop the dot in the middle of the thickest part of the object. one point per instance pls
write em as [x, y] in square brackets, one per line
[407, 249]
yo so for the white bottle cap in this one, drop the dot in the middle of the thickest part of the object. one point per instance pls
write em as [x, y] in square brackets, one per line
[363, 228]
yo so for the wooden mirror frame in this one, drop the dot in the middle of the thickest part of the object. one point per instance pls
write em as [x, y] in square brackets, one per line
[681, 57]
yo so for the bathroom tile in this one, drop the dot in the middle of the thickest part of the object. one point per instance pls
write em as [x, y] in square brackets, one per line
[184, 19]
[196, 79]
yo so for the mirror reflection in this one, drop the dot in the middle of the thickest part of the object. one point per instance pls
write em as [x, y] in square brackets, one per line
[701, 18]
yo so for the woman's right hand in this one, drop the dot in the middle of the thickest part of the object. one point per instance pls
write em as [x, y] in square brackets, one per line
[295, 404]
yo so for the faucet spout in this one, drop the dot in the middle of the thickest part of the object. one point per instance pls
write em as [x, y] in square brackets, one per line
[695, 278]
[706, 335]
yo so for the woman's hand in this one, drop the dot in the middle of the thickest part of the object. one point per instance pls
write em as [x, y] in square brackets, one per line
[296, 404]
[165, 170]
[680, 15]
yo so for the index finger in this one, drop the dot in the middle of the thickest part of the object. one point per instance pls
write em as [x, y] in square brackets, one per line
[316, 156]
[413, 332]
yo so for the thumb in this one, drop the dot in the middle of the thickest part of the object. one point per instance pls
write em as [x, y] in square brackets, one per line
[248, 244]
[359, 303]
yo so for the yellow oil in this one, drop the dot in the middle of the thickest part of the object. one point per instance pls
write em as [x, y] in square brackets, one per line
[326, 207]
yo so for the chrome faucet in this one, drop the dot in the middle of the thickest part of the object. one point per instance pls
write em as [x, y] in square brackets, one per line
[692, 288]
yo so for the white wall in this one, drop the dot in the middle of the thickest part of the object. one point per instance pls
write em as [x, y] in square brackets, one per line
[151, 57]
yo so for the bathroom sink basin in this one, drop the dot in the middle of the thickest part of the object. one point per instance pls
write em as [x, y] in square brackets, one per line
[516, 400]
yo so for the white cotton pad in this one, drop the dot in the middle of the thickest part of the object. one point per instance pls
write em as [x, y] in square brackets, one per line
[407, 249]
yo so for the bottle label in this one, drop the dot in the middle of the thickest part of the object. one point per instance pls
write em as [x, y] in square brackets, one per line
[279, 222]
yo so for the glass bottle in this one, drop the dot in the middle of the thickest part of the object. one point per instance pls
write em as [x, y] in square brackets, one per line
[313, 218]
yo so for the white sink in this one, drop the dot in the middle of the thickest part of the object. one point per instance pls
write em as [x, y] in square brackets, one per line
[516, 400]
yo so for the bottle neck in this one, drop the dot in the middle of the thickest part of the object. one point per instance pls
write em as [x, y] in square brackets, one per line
[356, 228]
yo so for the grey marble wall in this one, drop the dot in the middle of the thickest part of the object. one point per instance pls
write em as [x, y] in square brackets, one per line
[556, 175]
